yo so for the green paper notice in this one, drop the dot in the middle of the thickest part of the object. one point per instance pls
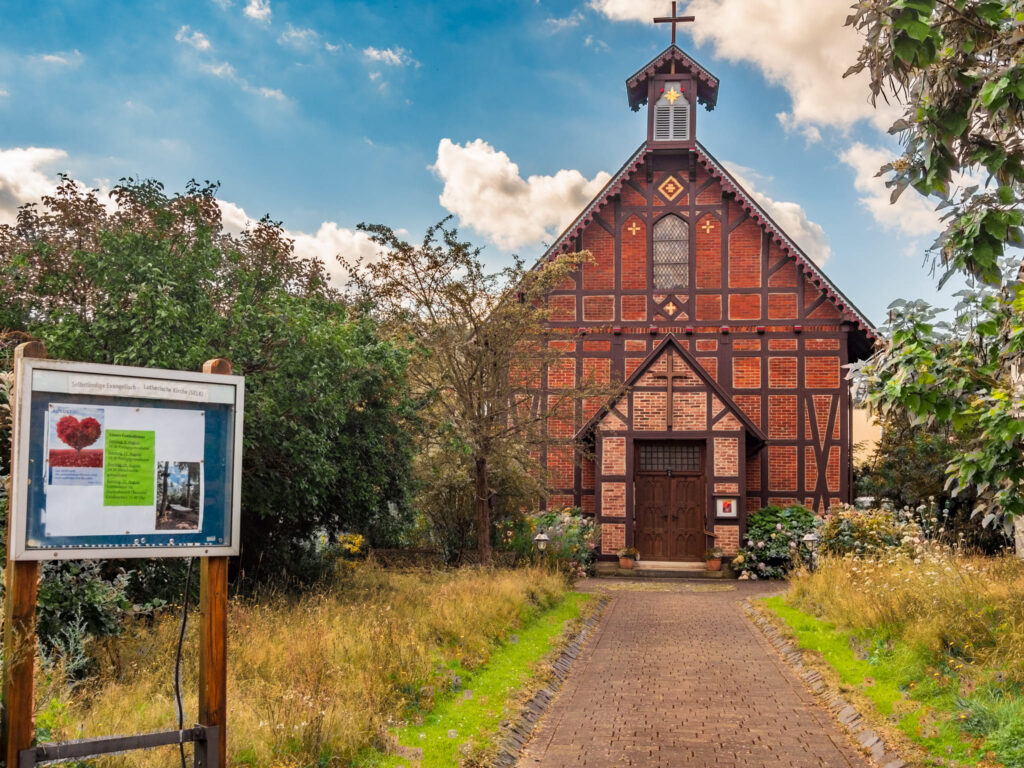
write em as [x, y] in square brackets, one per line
[129, 472]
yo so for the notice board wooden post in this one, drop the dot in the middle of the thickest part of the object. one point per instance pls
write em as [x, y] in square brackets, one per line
[22, 583]
[213, 629]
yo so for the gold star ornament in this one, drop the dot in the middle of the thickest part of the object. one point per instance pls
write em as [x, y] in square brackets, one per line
[672, 96]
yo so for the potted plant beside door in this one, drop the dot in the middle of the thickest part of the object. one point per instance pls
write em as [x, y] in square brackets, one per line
[627, 557]
[713, 559]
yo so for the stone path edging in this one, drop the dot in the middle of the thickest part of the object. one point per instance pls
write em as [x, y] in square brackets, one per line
[844, 712]
[518, 731]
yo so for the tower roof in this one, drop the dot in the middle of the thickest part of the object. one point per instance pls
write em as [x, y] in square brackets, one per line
[636, 85]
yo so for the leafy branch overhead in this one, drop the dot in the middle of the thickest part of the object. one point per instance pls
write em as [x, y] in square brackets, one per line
[957, 69]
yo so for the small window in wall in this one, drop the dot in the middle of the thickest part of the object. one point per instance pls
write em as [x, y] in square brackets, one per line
[671, 254]
[672, 115]
[665, 457]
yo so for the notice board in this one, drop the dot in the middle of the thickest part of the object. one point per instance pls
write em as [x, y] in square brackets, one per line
[119, 462]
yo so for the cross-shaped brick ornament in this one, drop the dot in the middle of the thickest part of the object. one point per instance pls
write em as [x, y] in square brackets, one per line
[671, 309]
[634, 228]
[670, 376]
[708, 227]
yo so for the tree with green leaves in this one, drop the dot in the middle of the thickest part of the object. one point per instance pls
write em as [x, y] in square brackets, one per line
[480, 345]
[156, 281]
[958, 68]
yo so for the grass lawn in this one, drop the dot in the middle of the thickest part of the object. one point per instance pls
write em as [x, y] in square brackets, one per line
[468, 719]
[928, 648]
[321, 678]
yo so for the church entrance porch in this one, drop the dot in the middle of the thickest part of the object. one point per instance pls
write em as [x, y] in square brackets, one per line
[670, 501]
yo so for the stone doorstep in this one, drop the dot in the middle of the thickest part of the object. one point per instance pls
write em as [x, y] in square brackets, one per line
[871, 743]
[660, 570]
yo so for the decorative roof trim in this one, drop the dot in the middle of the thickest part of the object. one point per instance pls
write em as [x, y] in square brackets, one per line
[846, 307]
[651, 359]
[708, 95]
[613, 187]
[807, 265]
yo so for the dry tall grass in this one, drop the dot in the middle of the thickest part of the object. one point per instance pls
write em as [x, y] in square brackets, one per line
[314, 679]
[938, 601]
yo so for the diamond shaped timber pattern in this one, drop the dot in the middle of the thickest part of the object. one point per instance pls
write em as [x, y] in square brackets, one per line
[670, 188]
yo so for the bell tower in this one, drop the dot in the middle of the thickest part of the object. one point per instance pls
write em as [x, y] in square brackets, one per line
[672, 85]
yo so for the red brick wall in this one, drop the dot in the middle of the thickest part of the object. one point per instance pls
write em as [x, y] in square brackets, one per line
[599, 274]
[634, 254]
[786, 382]
[709, 252]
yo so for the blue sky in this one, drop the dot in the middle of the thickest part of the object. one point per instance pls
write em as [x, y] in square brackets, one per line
[504, 114]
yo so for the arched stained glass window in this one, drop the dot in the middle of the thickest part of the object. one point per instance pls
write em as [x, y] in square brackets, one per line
[671, 254]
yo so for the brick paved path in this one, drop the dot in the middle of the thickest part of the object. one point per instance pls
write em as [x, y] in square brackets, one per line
[682, 678]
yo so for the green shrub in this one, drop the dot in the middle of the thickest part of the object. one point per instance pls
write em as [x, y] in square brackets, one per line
[77, 603]
[773, 541]
[574, 540]
[869, 531]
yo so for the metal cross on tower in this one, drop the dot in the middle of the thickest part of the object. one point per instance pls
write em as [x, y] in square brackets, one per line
[674, 21]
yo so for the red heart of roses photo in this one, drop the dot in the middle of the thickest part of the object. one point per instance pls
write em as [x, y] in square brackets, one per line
[78, 434]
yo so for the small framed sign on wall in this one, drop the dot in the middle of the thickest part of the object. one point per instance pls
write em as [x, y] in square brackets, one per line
[727, 507]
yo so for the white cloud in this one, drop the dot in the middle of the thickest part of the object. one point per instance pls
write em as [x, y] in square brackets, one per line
[258, 10]
[223, 4]
[187, 36]
[800, 45]
[24, 177]
[790, 126]
[220, 69]
[483, 187]
[272, 93]
[326, 244]
[4, 92]
[392, 57]
[597, 45]
[554, 25]
[331, 48]
[912, 214]
[791, 217]
[630, 10]
[27, 175]
[226, 71]
[59, 59]
[300, 37]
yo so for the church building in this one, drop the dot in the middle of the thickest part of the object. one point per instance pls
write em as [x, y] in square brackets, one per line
[729, 339]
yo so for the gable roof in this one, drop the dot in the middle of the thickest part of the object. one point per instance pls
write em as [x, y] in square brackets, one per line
[847, 308]
[636, 85]
[672, 342]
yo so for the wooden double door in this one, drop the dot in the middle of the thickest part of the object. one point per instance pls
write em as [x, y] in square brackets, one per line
[670, 514]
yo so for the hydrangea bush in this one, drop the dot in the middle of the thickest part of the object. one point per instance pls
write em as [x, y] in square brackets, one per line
[869, 532]
[773, 542]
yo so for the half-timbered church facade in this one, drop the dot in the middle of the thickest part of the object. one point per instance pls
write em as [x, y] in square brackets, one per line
[729, 339]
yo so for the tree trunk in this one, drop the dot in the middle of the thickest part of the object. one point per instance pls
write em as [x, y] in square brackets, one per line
[1018, 535]
[483, 512]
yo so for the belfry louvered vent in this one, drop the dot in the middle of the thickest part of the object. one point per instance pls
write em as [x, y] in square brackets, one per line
[672, 115]
[663, 122]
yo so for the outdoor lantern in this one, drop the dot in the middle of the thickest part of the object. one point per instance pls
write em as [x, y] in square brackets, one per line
[810, 542]
[540, 541]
